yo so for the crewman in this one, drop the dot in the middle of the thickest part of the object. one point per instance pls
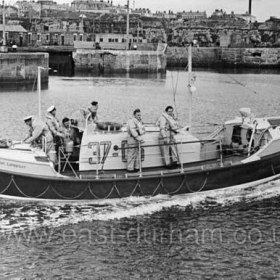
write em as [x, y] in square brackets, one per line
[135, 130]
[168, 129]
[37, 130]
[93, 112]
[54, 126]
[72, 131]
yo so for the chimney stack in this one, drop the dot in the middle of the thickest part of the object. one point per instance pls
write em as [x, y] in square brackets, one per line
[250, 7]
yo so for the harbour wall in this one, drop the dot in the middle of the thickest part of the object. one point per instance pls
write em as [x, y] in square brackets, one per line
[228, 57]
[130, 61]
[19, 70]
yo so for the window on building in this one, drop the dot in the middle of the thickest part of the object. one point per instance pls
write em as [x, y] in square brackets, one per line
[55, 36]
[74, 37]
[81, 37]
[116, 40]
[39, 37]
[29, 38]
[123, 40]
[101, 40]
[62, 40]
[47, 37]
[110, 40]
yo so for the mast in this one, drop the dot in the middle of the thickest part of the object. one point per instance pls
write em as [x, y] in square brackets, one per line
[191, 87]
[189, 84]
[39, 91]
[127, 26]
[4, 29]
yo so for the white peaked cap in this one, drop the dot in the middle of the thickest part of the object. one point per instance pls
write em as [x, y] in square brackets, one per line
[28, 118]
[51, 108]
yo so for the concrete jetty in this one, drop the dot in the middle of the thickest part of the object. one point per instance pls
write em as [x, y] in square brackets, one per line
[228, 57]
[129, 61]
[18, 70]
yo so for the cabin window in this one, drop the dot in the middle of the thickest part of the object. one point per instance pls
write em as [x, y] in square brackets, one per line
[124, 151]
[236, 135]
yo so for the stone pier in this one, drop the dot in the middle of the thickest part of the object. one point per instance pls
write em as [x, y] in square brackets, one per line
[20, 70]
[129, 61]
[229, 57]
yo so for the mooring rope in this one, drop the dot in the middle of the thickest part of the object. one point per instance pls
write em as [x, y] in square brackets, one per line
[6, 188]
[138, 185]
[203, 185]
[25, 195]
[70, 198]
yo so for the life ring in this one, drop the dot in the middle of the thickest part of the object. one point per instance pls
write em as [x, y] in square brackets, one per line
[109, 126]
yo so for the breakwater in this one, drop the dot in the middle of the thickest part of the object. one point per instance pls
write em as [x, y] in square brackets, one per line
[109, 61]
[229, 57]
[19, 70]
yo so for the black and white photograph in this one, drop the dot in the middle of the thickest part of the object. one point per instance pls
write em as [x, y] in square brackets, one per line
[140, 139]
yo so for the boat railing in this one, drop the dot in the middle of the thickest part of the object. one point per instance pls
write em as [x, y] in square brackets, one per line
[219, 152]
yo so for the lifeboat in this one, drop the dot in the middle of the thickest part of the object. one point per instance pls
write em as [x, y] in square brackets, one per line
[243, 150]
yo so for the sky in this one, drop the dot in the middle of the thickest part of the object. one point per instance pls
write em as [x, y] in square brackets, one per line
[262, 9]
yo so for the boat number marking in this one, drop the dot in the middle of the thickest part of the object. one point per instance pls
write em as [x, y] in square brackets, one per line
[99, 149]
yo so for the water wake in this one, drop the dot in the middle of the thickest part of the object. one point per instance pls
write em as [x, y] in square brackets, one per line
[19, 214]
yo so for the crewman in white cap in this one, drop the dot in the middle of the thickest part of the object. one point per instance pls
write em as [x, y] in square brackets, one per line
[38, 129]
[55, 127]
[53, 122]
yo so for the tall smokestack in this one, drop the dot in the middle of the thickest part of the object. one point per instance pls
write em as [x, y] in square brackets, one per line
[250, 7]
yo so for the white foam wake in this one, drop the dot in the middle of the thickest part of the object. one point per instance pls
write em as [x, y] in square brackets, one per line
[29, 214]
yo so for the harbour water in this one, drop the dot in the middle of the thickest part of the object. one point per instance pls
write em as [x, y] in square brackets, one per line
[226, 234]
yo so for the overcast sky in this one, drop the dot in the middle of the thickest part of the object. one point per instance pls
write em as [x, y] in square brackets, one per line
[262, 9]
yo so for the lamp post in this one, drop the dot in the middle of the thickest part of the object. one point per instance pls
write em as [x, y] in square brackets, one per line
[127, 26]
[4, 29]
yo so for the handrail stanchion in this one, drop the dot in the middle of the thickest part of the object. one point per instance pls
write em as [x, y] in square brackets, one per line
[140, 160]
[221, 152]
[181, 157]
[97, 166]
[59, 159]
